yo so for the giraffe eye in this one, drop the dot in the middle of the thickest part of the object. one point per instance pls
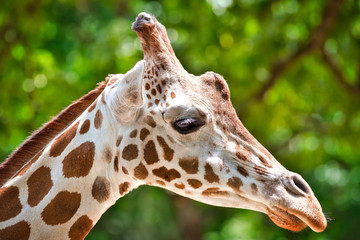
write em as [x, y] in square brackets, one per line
[187, 125]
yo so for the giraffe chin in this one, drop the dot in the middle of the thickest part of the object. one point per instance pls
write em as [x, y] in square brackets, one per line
[293, 222]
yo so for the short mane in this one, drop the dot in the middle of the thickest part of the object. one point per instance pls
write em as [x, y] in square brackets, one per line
[40, 138]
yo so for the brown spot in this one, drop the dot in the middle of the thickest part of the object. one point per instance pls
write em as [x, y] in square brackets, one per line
[242, 171]
[150, 104]
[101, 189]
[153, 92]
[98, 119]
[150, 121]
[173, 95]
[147, 86]
[179, 185]
[150, 153]
[210, 175]
[133, 133]
[62, 208]
[189, 164]
[235, 183]
[167, 175]
[144, 133]
[20, 230]
[242, 154]
[80, 228]
[264, 162]
[194, 183]
[158, 88]
[28, 165]
[157, 101]
[148, 96]
[125, 171]
[130, 152]
[261, 170]
[118, 141]
[107, 155]
[9, 202]
[161, 183]
[85, 127]
[168, 152]
[214, 192]
[92, 106]
[39, 185]
[124, 188]
[116, 164]
[140, 172]
[254, 188]
[63, 140]
[79, 161]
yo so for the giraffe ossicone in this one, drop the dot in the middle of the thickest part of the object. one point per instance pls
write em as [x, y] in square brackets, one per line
[156, 125]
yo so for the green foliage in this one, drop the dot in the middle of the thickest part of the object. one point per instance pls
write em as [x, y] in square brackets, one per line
[52, 52]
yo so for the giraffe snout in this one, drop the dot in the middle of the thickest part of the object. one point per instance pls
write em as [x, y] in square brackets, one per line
[141, 21]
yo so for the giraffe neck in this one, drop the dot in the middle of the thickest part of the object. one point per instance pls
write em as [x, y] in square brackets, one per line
[72, 182]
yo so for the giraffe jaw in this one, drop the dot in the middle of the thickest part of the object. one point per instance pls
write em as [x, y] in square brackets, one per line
[296, 220]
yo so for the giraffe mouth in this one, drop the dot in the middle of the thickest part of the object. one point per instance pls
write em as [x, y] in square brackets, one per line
[296, 220]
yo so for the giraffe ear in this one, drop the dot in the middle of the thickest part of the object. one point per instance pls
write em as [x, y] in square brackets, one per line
[126, 95]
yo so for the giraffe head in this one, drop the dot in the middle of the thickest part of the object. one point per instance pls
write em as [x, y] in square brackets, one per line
[183, 134]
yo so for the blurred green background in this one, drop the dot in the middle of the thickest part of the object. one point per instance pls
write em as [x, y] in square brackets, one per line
[293, 71]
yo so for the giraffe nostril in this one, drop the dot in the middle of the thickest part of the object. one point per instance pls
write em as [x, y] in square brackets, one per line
[300, 184]
[297, 186]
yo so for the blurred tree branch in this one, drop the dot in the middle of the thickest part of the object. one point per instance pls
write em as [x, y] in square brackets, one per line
[316, 42]
[339, 76]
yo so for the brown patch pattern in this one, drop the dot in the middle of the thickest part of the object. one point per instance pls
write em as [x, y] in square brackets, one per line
[168, 152]
[150, 153]
[80, 228]
[118, 140]
[107, 155]
[140, 172]
[179, 185]
[125, 171]
[194, 183]
[242, 154]
[210, 175]
[161, 183]
[261, 170]
[124, 188]
[189, 164]
[116, 164]
[20, 230]
[79, 161]
[173, 95]
[63, 140]
[85, 127]
[9, 202]
[130, 152]
[62, 208]
[167, 175]
[235, 183]
[242, 171]
[98, 119]
[215, 192]
[133, 133]
[101, 189]
[150, 121]
[39, 185]
[144, 133]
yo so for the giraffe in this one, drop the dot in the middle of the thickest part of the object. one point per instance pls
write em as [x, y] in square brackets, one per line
[156, 125]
